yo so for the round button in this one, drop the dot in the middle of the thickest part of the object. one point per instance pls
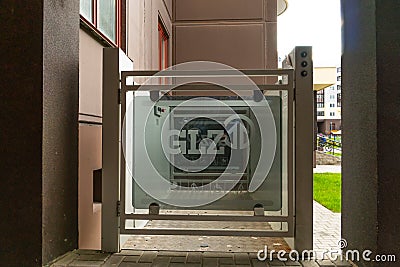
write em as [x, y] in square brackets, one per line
[304, 73]
[304, 64]
[303, 54]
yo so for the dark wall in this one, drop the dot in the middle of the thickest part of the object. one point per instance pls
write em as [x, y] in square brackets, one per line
[371, 119]
[388, 108]
[60, 127]
[21, 56]
[38, 113]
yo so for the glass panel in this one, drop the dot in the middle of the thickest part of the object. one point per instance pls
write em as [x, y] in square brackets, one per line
[107, 18]
[86, 9]
[223, 156]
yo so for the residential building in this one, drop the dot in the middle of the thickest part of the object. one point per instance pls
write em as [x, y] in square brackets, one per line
[329, 106]
[154, 35]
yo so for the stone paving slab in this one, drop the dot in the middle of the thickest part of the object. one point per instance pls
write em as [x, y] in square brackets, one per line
[179, 259]
[327, 225]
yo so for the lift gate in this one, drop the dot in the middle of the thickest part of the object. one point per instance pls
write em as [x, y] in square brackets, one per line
[208, 143]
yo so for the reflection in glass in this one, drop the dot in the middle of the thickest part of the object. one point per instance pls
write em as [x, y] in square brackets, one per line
[107, 18]
[86, 9]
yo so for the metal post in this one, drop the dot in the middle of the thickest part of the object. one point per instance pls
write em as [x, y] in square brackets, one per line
[301, 58]
[111, 151]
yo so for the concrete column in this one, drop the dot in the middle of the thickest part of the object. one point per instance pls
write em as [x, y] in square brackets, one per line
[371, 126]
[39, 130]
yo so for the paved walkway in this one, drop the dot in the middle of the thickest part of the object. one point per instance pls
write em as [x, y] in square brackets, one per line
[326, 228]
[328, 168]
[326, 223]
[135, 258]
[326, 236]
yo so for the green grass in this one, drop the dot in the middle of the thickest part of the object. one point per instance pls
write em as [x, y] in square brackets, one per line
[327, 190]
[337, 154]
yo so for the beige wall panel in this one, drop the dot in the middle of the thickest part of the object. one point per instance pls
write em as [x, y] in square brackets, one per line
[241, 46]
[271, 10]
[89, 160]
[271, 45]
[143, 32]
[218, 9]
[135, 33]
[90, 73]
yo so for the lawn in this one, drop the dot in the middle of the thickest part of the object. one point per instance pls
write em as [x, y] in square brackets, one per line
[327, 190]
[337, 154]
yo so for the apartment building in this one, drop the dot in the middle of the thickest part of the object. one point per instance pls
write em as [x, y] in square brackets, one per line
[329, 106]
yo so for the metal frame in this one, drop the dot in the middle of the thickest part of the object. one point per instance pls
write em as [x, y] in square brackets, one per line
[289, 87]
[299, 219]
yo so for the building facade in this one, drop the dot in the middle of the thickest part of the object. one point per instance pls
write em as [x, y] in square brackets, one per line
[155, 35]
[40, 134]
[329, 106]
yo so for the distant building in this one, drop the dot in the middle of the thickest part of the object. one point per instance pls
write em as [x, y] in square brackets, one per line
[329, 106]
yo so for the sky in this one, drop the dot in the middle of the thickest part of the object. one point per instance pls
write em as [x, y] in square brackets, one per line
[315, 23]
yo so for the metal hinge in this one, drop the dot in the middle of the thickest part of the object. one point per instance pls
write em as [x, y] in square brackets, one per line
[118, 208]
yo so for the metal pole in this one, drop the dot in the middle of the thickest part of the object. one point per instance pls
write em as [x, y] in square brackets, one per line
[301, 58]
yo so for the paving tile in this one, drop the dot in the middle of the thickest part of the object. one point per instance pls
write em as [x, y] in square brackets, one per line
[148, 256]
[210, 262]
[309, 263]
[292, 263]
[275, 263]
[131, 258]
[64, 261]
[129, 252]
[226, 261]
[113, 261]
[178, 259]
[134, 264]
[325, 263]
[340, 263]
[176, 264]
[193, 265]
[78, 263]
[209, 254]
[87, 251]
[194, 257]
[93, 257]
[172, 253]
[253, 255]
[257, 263]
[241, 258]
[161, 261]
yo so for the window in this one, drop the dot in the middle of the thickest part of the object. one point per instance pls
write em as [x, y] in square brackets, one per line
[339, 100]
[332, 114]
[105, 17]
[320, 104]
[339, 69]
[339, 78]
[332, 97]
[320, 113]
[320, 96]
[339, 87]
[332, 105]
[163, 46]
